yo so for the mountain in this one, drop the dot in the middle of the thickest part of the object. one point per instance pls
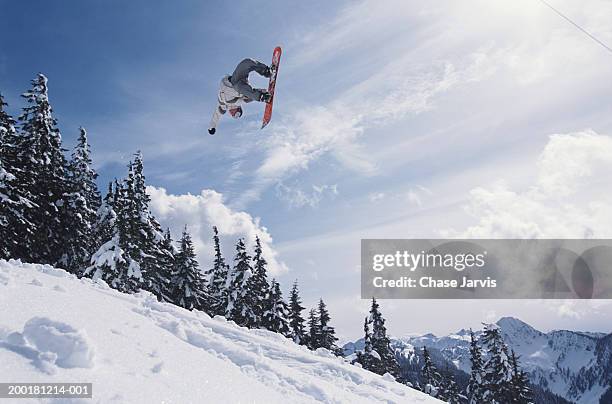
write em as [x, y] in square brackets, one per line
[57, 328]
[574, 365]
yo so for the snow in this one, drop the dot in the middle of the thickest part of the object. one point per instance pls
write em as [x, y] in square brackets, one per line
[137, 350]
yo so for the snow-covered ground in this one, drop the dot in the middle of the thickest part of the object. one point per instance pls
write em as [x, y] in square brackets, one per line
[57, 328]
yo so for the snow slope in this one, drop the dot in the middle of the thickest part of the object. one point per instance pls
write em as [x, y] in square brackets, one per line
[57, 328]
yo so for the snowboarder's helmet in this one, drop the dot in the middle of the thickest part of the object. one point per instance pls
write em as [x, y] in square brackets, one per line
[236, 112]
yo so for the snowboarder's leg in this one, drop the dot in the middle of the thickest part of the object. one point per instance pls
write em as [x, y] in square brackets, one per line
[247, 66]
[240, 78]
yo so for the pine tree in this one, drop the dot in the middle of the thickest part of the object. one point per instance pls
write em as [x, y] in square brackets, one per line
[15, 201]
[381, 343]
[238, 308]
[187, 281]
[296, 321]
[475, 388]
[129, 261]
[313, 340]
[275, 317]
[82, 204]
[367, 360]
[327, 333]
[40, 165]
[448, 390]
[260, 291]
[497, 369]
[430, 377]
[521, 392]
[217, 278]
[161, 285]
[111, 262]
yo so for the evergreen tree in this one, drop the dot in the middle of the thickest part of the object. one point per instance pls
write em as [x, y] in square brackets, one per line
[40, 172]
[82, 204]
[448, 390]
[381, 343]
[313, 340]
[162, 286]
[367, 360]
[497, 369]
[430, 377]
[238, 308]
[187, 281]
[296, 321]
[475, 388]
[327, 333]
[129, 261]
[260, 292]
[275, 318]
[217, 278]
[16, 206]
[105, 228]
[521, 392]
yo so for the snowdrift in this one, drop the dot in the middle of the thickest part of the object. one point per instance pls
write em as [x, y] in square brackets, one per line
[57, 328]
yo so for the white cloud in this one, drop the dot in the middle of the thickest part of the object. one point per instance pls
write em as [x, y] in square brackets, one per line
[570, 197]
[200, 213]
[297, 198]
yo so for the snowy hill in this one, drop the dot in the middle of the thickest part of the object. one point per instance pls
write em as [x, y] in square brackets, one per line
[574, 365]
[57, 328]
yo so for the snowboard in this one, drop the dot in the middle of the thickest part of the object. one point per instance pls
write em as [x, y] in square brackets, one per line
[274, 68]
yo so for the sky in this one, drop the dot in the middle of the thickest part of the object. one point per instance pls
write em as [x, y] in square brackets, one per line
[392, 119]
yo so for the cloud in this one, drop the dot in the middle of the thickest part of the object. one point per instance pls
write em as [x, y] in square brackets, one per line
[200, 213]
[297, 198]
[569, 198]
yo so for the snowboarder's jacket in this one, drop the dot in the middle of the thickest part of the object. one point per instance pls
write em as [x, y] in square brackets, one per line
[235, 89]
[228, 99]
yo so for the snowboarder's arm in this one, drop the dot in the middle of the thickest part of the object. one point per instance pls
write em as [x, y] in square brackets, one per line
[214, 121]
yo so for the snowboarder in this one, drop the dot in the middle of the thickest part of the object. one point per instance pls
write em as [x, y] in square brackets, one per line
[235, 90]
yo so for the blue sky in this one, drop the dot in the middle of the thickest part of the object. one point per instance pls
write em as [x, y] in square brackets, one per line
[392, 119]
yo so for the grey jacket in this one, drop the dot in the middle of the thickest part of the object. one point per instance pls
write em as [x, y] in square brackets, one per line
[235, 89]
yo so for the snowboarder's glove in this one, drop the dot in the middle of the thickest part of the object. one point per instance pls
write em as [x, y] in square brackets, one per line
[212, 131]
[267, 73]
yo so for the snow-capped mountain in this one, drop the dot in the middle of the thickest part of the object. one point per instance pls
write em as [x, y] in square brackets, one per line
[572, 364]
[134, 349]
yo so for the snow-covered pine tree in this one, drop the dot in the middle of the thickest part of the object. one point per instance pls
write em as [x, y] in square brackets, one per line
[161, 279]
[40, 165]
[475, 388]
[188, 287]
[15, 202]
[381, 343]
[449, 391]
[238, 308]
[497, 369]
[275, 317]
[313, 339]
[80, 209]
[217, 280]
[110, 262]
[105, 228]
[129, 259]
[296, 321]
[430, 377]
[260, 292]
[367, 360]
[327, 333]
[143, 233]
[519, 384]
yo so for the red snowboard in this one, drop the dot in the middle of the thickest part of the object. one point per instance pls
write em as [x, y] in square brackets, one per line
[274, 67]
